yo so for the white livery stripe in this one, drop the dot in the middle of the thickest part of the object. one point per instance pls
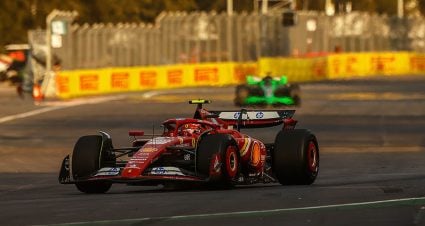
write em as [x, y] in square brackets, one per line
[246, 145]
[232, 115]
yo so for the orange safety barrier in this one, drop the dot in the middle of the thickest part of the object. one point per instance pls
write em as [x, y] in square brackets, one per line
[37, 94]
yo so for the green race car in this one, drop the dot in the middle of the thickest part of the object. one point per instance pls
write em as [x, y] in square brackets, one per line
[275, 91]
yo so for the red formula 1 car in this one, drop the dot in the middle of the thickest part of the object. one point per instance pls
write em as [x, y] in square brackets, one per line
[208, 148]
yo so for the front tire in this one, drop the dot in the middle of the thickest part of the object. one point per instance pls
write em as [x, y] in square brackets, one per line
[93, 187]
[86, 160]
[295, 159]
[218, 159]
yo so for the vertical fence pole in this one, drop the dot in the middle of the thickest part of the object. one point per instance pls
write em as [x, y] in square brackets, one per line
[229, 44]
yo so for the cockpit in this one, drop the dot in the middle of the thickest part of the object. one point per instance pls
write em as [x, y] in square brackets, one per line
[185, 128]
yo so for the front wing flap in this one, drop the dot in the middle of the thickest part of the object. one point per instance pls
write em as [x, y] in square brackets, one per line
[65, 173]
[113, 174]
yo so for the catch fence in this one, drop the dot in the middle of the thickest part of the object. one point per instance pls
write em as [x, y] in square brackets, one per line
[180, 38]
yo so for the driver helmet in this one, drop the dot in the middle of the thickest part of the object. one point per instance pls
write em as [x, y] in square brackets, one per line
[268, 80]
[192, 128]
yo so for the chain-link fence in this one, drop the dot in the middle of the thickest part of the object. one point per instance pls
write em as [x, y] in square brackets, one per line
[210, 37]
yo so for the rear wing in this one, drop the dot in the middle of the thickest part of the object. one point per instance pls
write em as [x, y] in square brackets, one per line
[254, 118]
[254, 80]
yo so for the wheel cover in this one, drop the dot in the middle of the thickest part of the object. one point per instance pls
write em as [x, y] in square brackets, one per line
[231, 162]
[312, 157]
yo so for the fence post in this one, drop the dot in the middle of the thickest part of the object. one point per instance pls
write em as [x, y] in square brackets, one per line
[58, 24]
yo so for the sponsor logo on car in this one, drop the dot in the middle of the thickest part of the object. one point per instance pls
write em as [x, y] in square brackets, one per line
[160, 140]
[231, 115]
[158, 170]
[139, 159]
[193, 142]
[186, 157]
[259, 115]
[108, 171]
[217, 164]
[166, 170]
[149, 149]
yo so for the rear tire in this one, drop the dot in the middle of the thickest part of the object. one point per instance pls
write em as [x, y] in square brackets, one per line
[297, 100]
[86, 160]
[295, 94]
[282, 91]
[295, 159]
[241, 93]
[218, 158]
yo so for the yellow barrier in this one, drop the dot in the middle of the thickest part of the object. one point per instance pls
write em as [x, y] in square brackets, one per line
[296, 69]
[367, 64]
[333, 66]
[417, 63]
[344, 65]
[111, 80]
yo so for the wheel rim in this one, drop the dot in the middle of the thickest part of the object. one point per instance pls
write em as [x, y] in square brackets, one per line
[231, 162]
[313, 158]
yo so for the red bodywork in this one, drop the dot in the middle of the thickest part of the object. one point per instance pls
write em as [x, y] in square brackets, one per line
[183, 134]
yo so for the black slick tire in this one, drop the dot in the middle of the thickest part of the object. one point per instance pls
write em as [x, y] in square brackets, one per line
[241, 93]
[295, 158]
[295, 93]
[222, 146]
[86, 159]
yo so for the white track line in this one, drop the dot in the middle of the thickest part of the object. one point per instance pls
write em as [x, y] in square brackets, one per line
[56, 105]
[192, 90]
[28, 114]
[418, 201]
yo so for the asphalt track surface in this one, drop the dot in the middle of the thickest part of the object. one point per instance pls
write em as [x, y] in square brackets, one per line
[371, 133]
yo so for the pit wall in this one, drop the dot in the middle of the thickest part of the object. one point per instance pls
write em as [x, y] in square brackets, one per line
[70, 84]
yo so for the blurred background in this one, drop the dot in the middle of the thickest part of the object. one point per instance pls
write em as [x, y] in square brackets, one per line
[100, 34]
[19, 16]
[181, 33]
